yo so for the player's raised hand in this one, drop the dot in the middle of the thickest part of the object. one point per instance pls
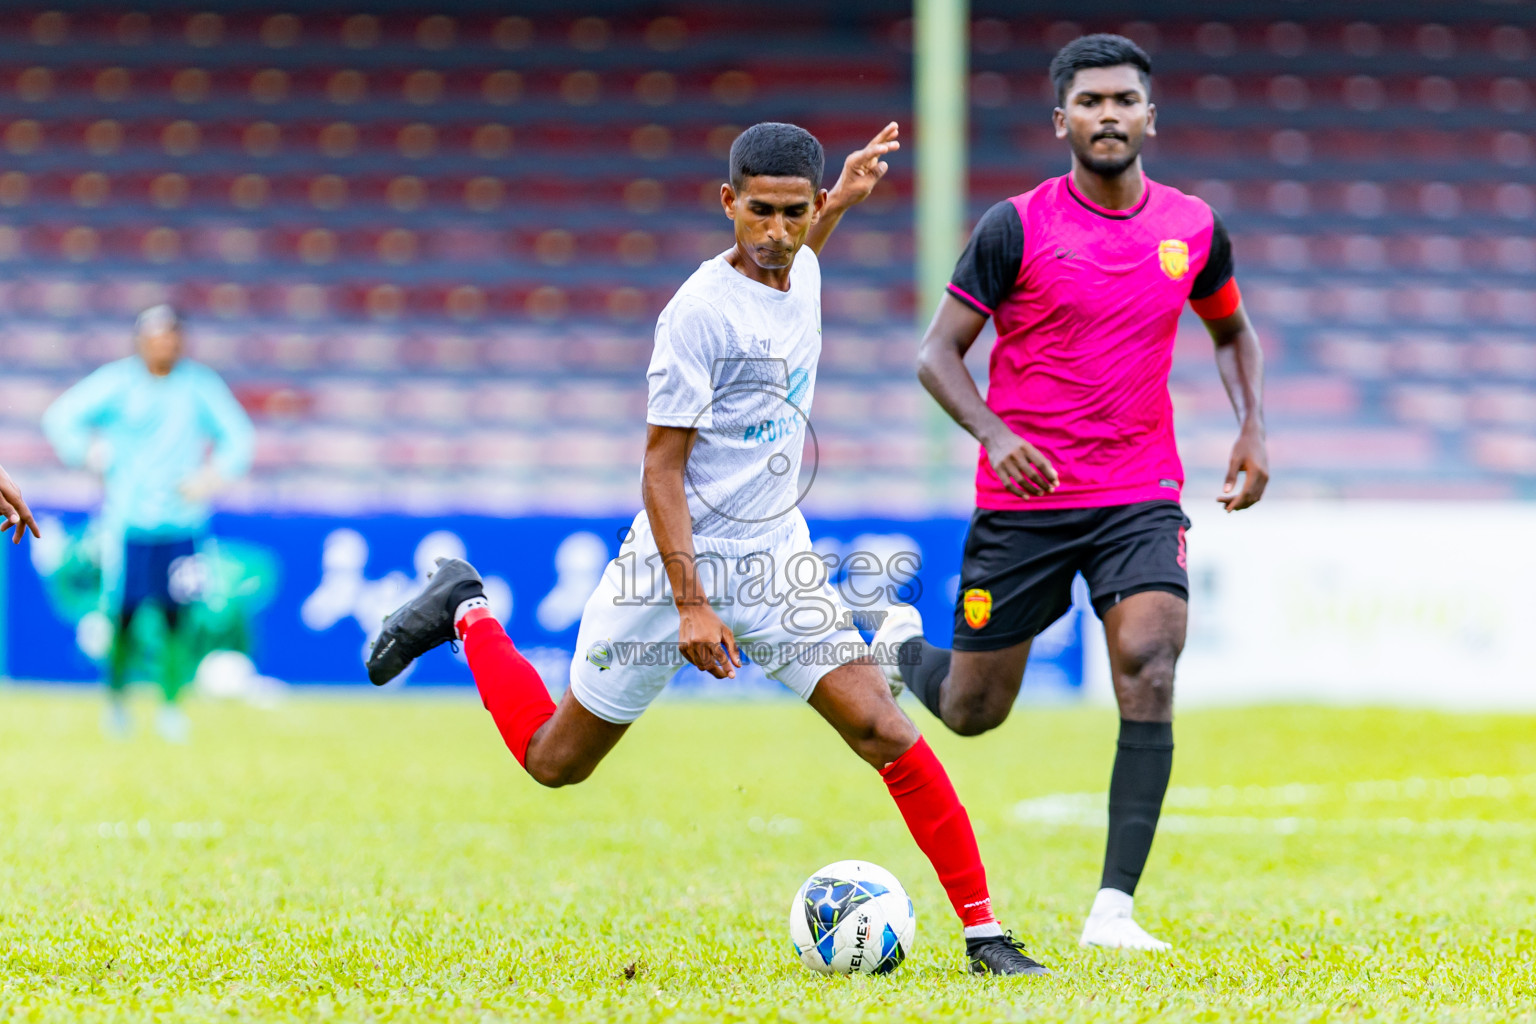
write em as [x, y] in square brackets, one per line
[1251, 459]
[1022, 467]
[14, 508]
[864, 169]
[707, 643]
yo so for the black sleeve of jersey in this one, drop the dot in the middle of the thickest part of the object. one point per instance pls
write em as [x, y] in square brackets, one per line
[990, 264]
[1218, 263]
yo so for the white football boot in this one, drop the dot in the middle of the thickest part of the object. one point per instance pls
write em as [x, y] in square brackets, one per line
[173, 725]
[115, 721]
[1110, 925]
[902, 623]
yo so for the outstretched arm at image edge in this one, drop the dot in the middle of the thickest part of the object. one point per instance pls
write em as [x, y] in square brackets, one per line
[14, 508]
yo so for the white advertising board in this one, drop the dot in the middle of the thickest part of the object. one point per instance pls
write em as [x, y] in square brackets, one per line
[1387, 603]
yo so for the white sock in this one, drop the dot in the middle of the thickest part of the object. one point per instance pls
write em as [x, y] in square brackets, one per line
[990, 930]
[1111, 925]
[1113, 903]
[465, 607]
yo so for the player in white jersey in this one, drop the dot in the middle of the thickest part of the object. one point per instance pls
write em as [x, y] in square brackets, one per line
[721, 558]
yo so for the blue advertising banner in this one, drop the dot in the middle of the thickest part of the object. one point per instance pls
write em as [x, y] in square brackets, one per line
[304, 594]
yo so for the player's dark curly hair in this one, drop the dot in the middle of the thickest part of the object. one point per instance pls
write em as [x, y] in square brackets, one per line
[778, 150]
[1100, 50]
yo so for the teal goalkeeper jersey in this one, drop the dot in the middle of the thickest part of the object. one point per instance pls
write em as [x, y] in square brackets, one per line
[159, 431]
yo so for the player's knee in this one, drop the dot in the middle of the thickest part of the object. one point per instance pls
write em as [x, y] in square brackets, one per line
[883, 736]
[1151, 656]
[554, 774]
[1153, 695]
[895, 730]
[974, 715]
[1147, 668]
[974, 723]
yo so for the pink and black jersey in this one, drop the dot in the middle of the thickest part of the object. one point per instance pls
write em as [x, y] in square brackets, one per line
[1086, 302]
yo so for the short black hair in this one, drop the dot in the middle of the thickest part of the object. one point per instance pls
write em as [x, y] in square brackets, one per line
[1100, 50]
[777, 150]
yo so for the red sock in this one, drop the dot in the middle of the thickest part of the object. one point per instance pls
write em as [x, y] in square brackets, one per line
[509, 687]
[938, 822]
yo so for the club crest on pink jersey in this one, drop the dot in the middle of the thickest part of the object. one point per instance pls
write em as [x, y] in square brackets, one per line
[1173, 255]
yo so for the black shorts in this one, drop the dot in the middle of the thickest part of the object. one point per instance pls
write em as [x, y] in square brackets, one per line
[1017, 575]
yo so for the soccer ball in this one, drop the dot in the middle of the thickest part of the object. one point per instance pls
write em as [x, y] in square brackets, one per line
[852, 918]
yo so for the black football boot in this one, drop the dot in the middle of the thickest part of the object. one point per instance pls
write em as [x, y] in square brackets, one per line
[423, 622]
[1000, 954]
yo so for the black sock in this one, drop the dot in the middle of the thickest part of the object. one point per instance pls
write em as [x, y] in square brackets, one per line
[1143, 762]
[924, 668]
[463, 591]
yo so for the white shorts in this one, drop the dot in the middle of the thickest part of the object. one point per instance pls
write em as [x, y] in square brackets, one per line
[772, 592]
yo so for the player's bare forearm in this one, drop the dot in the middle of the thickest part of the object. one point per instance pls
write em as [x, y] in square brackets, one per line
[702, 637]
[862, 170]
[941, 368]
[1240, 361]
[821, 231]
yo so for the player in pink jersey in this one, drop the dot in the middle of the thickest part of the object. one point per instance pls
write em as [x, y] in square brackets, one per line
[1085, 277]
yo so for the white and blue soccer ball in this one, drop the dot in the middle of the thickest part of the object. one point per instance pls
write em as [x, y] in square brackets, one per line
[852, 917]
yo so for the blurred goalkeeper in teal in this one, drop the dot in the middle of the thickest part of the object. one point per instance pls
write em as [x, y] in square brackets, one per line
[165, 433]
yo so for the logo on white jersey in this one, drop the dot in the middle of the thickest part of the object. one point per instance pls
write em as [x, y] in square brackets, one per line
[759, 408]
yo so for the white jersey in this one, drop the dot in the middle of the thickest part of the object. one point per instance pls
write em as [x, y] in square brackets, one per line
[736, 359]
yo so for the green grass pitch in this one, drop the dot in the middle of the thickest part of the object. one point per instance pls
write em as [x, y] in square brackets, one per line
[382, 858]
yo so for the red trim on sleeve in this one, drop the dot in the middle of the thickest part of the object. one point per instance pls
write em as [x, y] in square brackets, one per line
[969, 299]
[1222, 304]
